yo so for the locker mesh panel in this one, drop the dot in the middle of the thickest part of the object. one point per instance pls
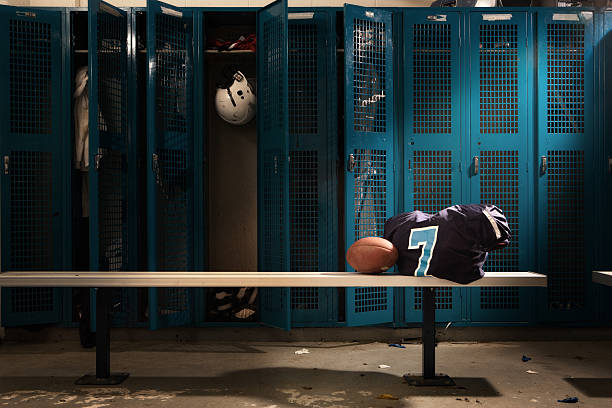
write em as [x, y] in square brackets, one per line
[31, 233]
[370, 299]
[369, 76]
[273, 244]
[370, 186]
[303, 76]
[499, 78]
[566, 252]
[304, 223]
[29, 81]
[499, 185]
[431, 83]
[432, 193]
[272, 90]
[112, 127]
[565, 78]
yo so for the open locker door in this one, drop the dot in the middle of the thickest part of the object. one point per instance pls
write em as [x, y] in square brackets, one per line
[273, 159]
[109, 168]
[432, 145]
[172, 198]
[369, 144]
[34, 163]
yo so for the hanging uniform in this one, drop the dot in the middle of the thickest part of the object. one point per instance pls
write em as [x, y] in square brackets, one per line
[452, 244]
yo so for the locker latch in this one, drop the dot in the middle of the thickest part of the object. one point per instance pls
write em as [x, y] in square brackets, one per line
[476, 165]
[351, 162]
[6, 165]
[98, 158]
[543, 164]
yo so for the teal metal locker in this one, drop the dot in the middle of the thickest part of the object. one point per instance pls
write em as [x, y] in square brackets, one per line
[369, 137]
[605, 168]
[174, 160]
[111, 174]
[565, 140]
[34, 160]
[432, 141]
[499, 150]
[313, 205]
[273, 159]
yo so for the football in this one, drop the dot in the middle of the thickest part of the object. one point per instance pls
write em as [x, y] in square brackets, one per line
[371, 255]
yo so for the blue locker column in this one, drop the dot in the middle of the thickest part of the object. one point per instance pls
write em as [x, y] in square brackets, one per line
[172, 160]
[605, 169]
[565, 140]
[499, 151]
[273, 158]
[432, 131]
[109, 143]
[369, 136]
[35, 162]
[313, 143]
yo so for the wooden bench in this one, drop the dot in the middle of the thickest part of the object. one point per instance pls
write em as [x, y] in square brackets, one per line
[603, 277]
[105, 280]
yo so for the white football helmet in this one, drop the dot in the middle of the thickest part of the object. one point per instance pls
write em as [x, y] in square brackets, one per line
[236, 102]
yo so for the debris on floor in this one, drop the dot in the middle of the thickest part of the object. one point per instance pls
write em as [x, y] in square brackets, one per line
[383, 366]
[525, 358]
[396, 345]
[569, 400]
[531, 372]
[302, 351]
[387, 397]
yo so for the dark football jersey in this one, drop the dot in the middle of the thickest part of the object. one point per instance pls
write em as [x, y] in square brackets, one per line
[452, 244]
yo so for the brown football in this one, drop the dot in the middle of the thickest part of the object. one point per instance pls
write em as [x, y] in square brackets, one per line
[371, 255]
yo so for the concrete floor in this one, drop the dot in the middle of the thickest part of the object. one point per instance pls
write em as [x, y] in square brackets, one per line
[333, 374]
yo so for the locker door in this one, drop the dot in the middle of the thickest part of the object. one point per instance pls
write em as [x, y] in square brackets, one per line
[109, 148]
[565, 140]
[433, 131]
[171, 159]
[499, 140]
[606, 168]
[34, 162]
[273, 158]
[369, 136]
[312, 176]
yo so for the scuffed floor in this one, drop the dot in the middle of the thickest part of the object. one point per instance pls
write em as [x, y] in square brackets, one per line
[272, 375]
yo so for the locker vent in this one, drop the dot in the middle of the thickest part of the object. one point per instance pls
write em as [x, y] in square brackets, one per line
[304, 223]
[303, 78]
[444, 298]
[274, 251]
[31, 234]
[565, 78]
[31, 107]
[370, 197]
[431, 82]
[566, 256]
[499, 89]
[370, 299]
[272, 90]
[499, 185]
[173, 71]
[369, 76]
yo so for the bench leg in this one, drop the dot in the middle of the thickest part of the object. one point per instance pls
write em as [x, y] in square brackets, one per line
[429, 376]
[103, 375]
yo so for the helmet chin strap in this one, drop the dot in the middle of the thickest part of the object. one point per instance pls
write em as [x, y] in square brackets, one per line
[231, 97]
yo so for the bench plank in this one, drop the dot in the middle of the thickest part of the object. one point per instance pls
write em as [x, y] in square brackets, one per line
[254, 279]
[603, 277]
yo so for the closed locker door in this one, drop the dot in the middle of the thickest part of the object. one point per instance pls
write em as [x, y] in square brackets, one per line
[369, 145]
[565, 153]
[499, 155]
[171, 159]
[432, 131]
[110, 241]
[312, 174]
[606, 168]
[273, 158]
[34, 160]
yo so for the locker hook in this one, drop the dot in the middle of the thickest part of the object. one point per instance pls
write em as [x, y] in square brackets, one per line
[476, 165]
[6, 165]
[351, 162]
[544, 165]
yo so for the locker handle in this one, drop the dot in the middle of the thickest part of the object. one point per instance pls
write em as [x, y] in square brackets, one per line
[155, 164]
[476, 165]
[351, 162]
[98, 158]
[6, 165]
[544, 165]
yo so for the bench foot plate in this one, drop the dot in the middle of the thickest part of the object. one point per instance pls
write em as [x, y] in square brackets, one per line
[113, 379]
[438, 380]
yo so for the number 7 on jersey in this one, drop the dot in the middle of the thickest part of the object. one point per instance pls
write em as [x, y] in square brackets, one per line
[424, 238]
